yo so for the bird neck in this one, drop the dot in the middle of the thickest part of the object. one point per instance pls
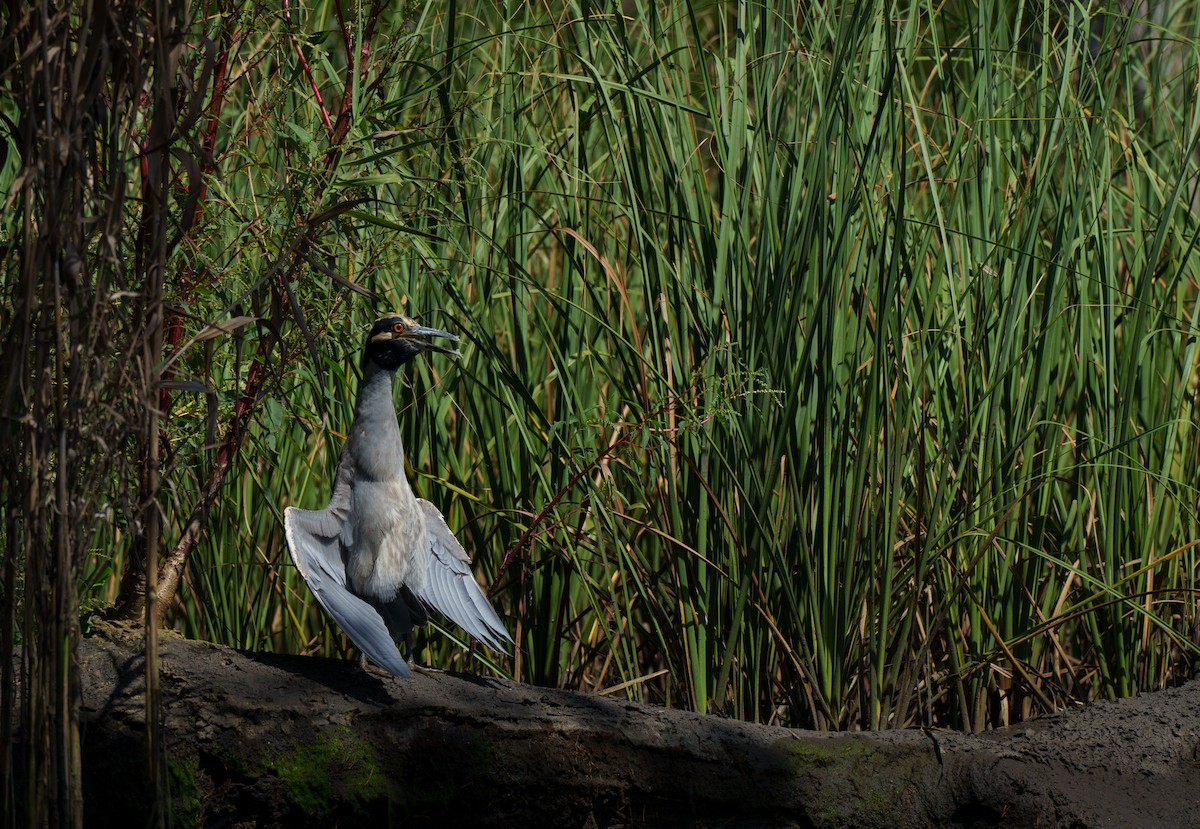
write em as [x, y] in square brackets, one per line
[375, 393]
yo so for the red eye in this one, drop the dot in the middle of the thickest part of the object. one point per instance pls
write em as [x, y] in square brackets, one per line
[398, 328]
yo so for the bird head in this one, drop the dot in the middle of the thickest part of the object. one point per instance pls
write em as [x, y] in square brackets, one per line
[395, 339]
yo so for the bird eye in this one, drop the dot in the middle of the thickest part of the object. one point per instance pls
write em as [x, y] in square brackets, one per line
[398, 328]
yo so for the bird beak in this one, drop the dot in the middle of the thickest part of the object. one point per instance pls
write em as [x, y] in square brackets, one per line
[419, 335]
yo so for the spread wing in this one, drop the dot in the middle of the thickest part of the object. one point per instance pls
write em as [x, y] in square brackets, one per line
[314, 538]
[451, 588]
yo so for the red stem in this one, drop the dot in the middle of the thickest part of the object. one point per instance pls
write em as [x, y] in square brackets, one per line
[308, 73]
[286, 266]
[173, 322]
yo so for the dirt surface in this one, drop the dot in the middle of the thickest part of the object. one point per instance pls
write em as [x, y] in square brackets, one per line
[264, 740]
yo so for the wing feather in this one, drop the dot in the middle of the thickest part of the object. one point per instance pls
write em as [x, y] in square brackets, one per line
[451, 588]
[314, 538]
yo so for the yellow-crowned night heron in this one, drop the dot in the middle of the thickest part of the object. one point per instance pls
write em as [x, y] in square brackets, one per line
[377, 554]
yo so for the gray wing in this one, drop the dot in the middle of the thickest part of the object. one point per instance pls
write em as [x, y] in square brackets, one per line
[451, 588]
[313, 536]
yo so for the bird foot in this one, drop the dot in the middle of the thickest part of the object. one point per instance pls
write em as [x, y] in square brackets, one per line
[410, 653]
[371, 668]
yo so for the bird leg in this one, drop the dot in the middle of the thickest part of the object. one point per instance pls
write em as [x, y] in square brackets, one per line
[410, 655]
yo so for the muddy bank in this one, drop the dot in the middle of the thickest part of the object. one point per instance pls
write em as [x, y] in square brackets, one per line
[264, 740]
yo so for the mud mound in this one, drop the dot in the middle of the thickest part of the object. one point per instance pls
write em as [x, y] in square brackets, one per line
[263, 740]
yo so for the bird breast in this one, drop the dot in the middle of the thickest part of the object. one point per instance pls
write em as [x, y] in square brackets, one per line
[387, 539]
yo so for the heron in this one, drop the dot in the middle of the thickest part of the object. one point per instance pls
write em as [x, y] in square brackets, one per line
[377, 557]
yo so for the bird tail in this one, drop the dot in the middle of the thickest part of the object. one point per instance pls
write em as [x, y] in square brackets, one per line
[402, 614]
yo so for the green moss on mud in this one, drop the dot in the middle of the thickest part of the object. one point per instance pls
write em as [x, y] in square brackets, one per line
[342, 775]
[187, 797]
[803, 755]
[335, 771]
[852, 782]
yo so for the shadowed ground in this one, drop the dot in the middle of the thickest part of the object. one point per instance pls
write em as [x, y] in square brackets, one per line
[258, 739]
